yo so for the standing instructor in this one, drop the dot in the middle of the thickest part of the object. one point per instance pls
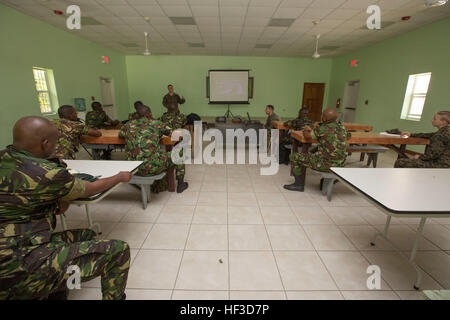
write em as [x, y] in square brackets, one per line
[172, 98]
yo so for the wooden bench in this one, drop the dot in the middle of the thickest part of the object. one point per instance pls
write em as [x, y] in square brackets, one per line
[372, 151]
[144, 183]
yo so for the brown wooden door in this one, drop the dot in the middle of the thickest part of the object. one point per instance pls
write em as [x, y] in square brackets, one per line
[313, 99]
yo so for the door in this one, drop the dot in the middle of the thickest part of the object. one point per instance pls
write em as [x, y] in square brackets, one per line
[350, 101]
[313, 99]
[108, 101]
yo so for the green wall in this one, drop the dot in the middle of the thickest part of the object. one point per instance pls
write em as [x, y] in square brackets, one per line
[384, 69]
[26, 42]
[278, 81]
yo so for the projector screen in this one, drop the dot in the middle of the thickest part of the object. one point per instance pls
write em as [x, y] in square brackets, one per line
[228, 86]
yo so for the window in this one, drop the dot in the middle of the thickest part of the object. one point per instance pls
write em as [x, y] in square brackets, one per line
[416, 94]
[46, 90]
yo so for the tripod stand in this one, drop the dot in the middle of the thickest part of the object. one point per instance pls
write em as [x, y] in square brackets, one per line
[228, 113]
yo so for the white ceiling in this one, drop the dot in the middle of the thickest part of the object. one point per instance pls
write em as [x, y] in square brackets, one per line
[235, 27]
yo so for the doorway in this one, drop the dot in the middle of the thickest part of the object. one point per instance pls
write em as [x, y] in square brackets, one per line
[108, 100]
[350, 103]
[313, 99]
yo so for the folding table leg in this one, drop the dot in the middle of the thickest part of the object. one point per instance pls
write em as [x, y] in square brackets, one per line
[414, 251]
[384, 233]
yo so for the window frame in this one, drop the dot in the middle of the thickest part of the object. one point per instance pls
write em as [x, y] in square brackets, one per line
[411, 94]
[51, 90]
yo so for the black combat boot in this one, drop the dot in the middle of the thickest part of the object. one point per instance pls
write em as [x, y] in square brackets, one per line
[181, 185]
[296, 186]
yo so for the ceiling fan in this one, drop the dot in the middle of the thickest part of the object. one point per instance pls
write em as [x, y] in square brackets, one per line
[147, 51]
[316, 54]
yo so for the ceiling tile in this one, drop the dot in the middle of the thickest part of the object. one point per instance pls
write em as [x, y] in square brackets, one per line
[264, 3]
[314, 13]
[233, 3]
[232, 21]
[207, 21]
[288, 13]
[205, 11]
[343, 14]
[123, 11]
[177, 11]
[260, 12]
[203, 2]
[232, 12]
[295, 3]
[326, 4]
[150, 11]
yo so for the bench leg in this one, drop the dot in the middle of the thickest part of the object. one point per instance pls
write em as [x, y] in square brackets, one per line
[144, 196]
[330, 188]
[324, 184]
[63, 222]
[91, 224]
[361, 158]
[375, 159]
[149, 193]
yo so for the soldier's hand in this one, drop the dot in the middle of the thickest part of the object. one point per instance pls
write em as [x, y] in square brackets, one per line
[406, 134]
[417, 156]
[307, 128]
[124, 176]
[62, 206]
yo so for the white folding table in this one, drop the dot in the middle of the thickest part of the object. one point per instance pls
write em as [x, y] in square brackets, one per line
[103, 169]
[401, 193]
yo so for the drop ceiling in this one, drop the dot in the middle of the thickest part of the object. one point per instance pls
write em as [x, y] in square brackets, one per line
[282, 28]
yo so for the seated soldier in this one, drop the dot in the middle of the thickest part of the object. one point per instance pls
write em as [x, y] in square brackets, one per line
[143, 144]
[332, 143]
[135, 115]
[437, 154]
[295, 124]
[34, 260]
[70, 130]
[173, 118]
[98, 118]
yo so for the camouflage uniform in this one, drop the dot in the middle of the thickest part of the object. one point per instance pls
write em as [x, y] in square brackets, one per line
[33, 259]
[69, 139]
[437, 154]
[332, 143]
[142, 143]
[97, 119]
[173, 120]
[133, 116]
[296, 124]
[273, 117]
[169, 100]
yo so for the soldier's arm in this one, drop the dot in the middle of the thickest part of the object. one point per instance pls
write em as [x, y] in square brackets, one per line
[165, 102]
[94, 133]
[123, 131]
[435, 149]
[181, 100]
[93, 188]
[422, 135]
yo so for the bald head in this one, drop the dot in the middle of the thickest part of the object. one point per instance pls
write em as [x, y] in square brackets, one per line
[36, 135]
[329, 115]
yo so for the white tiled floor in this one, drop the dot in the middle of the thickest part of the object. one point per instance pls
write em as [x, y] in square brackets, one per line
[237, 235]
